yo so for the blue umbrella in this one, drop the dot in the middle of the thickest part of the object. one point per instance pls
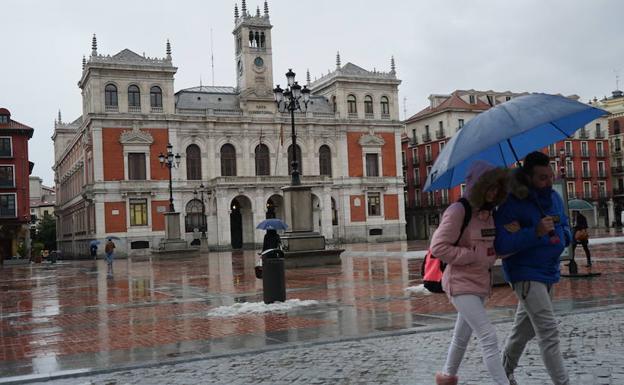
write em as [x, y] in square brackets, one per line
[272, 224]
[94, 242]
[508, 132]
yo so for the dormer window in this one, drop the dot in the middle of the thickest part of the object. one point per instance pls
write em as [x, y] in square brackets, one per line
[4, 119]
[110, 97]
[5, 116]
[472, 99]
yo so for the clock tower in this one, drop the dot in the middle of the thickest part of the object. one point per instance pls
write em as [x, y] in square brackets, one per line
[253, 57]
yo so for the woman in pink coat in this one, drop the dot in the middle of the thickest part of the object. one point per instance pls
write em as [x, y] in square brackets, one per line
[467, 277]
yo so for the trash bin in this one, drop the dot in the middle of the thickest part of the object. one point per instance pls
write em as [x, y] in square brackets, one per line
[273, 276]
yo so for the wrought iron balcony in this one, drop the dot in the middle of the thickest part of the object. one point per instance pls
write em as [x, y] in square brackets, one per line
[426, 137]
[440, 134]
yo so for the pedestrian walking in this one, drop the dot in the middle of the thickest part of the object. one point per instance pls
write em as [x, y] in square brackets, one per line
[581, 235]
[467, 276]
[109, 249]
[533, 266]
[93, 249]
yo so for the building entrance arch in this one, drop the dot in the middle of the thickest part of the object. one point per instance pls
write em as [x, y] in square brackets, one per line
[241, 222]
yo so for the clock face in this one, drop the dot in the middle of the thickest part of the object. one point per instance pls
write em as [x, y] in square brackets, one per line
[259, 62]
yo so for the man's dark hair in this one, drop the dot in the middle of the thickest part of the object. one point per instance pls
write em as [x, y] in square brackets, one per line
[536, 158]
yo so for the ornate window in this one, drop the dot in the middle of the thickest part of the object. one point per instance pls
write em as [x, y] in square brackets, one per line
[228, 160]
[134, 96]
[136, 166]
[138, 212]
[351, 104]
[195, 218]
[290, 159]
[325, 167]
[368, 104]
[263, 166]
[193, 162]
[156, 97]
[110, 95]
[374, 204]
[372, 165]
[385, 106]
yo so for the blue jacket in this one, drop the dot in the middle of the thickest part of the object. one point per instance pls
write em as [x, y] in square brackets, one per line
[530, 258]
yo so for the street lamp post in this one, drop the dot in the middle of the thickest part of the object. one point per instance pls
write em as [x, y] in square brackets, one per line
[202, 189]
[293, 98]
[563, 159]
[170, 161]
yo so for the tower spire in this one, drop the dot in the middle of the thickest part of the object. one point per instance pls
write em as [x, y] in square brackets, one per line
[168, 50]
[235, 12]
[244, 8]
[94, 46]
[308, 80]
[59, 117]
[258, 11]
[337, 60]
[266, 8]
[84, 62]
[392, 65]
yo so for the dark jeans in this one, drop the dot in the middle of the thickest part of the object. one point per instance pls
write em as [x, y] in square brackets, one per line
[585, 245]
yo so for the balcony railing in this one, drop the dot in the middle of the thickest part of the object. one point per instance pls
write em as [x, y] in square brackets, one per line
[617, 170]
[600, 154]
[426, 137]
[571, 195]
[369, 115]
[583, 134]
[599, 134]
[416, 162]
[586, 174]
[585, 154]
[157, 110]
[413, 142]
[569, 153]
[353, 115]
[385, 116]
[440, 134]
[619, 191]
[602, 174]
[570, 174]
[417, 182]
[587, 195]
[134, 108]
[428, 158]
[111, 109]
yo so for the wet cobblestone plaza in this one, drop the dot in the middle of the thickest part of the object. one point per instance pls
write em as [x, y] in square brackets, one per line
[69, 317]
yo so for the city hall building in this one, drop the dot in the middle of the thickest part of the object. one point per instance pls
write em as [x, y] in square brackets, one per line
[234, 142]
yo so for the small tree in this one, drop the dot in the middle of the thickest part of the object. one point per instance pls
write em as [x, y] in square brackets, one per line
[46, 232]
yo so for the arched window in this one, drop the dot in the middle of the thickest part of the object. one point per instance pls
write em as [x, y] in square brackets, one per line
[193, 162]
[195, 218]
[368, 104]
[351, 104]
[228, 160]
[290, 159]
[156, 97]
[385, 106]
[262, 160]
[616, 127]
[325, 160]
[134, 96]
[110, 95]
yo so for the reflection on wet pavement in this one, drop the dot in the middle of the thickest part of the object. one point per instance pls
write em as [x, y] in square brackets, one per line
[71, 316]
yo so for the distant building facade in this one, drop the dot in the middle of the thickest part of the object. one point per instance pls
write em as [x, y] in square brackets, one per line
[427, 132]
[15, 169]
[42, 200]
[233, 141]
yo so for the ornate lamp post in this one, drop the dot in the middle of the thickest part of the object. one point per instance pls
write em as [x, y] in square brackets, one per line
[170, 161]
[202, 189]
[293, 98]
[563, 159]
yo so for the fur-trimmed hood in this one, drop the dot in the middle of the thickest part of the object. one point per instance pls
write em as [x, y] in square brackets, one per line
[518, 183]
[481, 177]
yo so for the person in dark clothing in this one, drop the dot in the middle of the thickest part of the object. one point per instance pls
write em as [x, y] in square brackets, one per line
[271, 240]
[93, 249]
[580, 235]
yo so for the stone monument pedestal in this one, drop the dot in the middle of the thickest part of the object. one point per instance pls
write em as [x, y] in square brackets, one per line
[173, 244]
[302, 246]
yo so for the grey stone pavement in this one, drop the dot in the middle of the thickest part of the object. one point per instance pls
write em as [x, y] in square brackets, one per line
[592, 342]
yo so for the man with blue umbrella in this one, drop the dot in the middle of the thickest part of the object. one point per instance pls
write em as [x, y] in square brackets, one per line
[532, 229]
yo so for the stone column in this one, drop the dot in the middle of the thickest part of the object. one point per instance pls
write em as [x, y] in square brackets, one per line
[611, 212]
[298, 208]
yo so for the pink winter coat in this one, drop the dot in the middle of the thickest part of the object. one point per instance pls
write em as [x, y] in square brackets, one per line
[468, 269]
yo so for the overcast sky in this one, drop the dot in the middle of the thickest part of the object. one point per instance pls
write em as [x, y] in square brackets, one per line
[555, 46]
